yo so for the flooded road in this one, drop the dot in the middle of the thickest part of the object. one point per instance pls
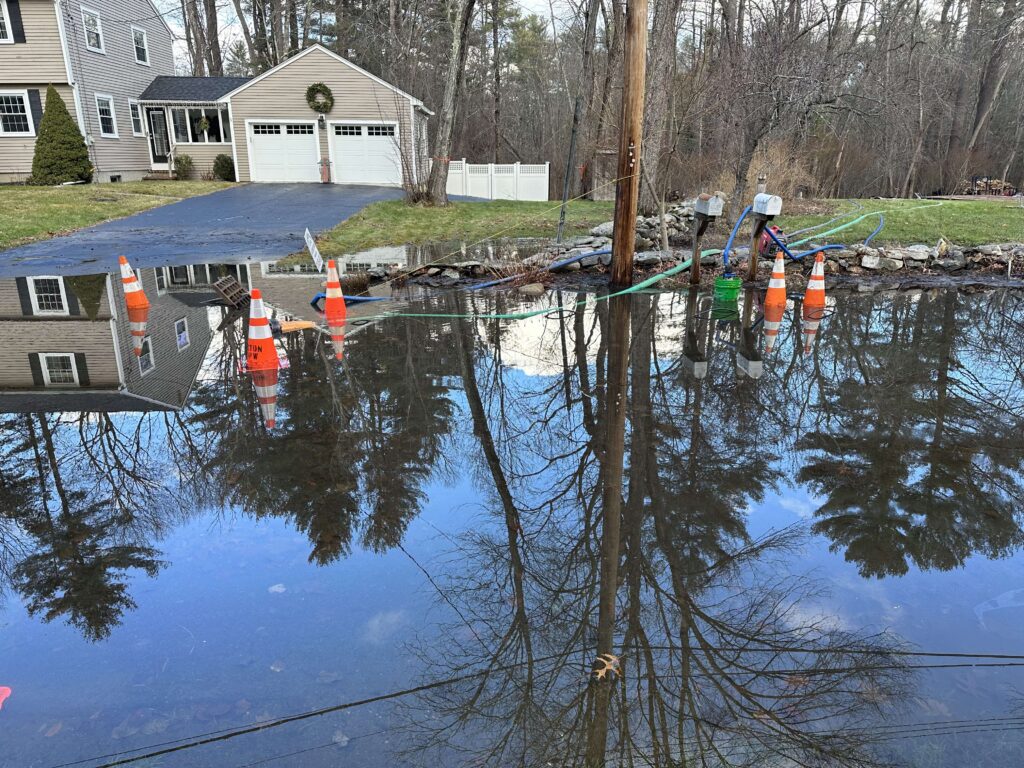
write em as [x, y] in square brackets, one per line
[616, 532]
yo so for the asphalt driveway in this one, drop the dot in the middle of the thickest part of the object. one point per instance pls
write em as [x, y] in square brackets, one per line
[247, 222]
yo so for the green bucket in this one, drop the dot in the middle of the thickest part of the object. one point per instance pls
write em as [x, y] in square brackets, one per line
[727, 288]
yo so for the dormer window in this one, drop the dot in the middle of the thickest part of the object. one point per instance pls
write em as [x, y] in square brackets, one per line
[93, 30]
[141, 44]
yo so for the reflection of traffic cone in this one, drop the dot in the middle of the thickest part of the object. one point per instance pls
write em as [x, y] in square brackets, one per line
[812, 319]
[261, 358]
[772, 322]
[776, 296]
[334, 310]
[136, 302]
[265, 382]
[814, 296]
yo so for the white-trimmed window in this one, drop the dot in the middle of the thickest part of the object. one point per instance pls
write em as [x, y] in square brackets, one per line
[58, 369]
[380, 130]
[15, 115]
[181, 333]
[146, 362]
[93, 28]
[140, 41]
[136, 113]
[6, 33]
[47, 295]
[201, 125]
[105, 113]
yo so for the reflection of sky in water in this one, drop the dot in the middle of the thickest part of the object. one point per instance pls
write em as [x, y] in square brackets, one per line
[239, 626]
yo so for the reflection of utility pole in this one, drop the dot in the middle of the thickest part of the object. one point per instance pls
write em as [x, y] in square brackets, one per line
[693, 359]
[748, 359]
[611, 503]
[627, 187]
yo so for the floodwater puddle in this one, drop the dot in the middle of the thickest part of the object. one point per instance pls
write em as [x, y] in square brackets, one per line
[652, 527]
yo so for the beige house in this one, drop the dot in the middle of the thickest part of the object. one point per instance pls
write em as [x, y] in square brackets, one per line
[65, 342]
[100, 55]
[374, 133]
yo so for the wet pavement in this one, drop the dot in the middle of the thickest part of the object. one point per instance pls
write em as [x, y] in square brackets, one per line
[245, 222]
[618, 530]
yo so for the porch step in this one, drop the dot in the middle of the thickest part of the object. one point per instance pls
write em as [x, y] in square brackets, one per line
[158, 176]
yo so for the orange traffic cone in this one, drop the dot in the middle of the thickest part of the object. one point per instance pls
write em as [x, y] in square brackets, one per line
[812, 319]
[772, 322]
[136, 302]
[334, 309]
[261, 358]
[814, 296]
[776, 296]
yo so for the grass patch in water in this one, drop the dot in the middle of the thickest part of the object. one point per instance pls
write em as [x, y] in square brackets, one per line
[397, 223]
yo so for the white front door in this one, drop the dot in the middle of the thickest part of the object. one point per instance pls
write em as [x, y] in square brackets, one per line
[284, 152]
[366, 153]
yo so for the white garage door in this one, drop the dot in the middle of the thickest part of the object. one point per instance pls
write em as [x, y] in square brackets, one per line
[366, 154]
[284, 152]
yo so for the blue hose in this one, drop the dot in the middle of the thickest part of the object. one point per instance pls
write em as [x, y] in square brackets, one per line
[549, 268]
[732, 236]
[315, 303]
[881, 223]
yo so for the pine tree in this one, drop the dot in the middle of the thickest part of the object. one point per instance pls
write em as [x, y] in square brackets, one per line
[61, 154]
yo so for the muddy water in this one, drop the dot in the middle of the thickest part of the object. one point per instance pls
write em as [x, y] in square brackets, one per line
[484, 507]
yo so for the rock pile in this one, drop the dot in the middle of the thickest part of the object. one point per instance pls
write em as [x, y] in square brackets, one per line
[943, 257]
[678, 219]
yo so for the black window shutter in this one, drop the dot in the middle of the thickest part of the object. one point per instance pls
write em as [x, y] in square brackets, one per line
[17, 28]
[37, 368]
[23, 297]
[83, 369]
[36, 105]
[73, 307]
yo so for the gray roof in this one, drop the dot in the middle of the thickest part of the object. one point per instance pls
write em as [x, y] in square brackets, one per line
[191, 89]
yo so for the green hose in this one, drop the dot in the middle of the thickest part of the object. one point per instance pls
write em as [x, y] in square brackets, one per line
[857, 220]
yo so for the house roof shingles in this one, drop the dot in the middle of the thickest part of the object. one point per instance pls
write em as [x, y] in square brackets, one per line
[190, 89]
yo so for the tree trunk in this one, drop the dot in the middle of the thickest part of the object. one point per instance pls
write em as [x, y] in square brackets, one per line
[661, 70]
[437, 184]
[496, 60]
[214, 58]
[246, 33]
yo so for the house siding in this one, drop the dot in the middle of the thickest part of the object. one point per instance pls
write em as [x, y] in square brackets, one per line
[16, 151]
[282, 96]
[93, 338]
[202, 155]
[40, 58]
[170, 381]
[116, 74]
[10, 305]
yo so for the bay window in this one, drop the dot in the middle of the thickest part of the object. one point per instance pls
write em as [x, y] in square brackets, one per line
[201, 125]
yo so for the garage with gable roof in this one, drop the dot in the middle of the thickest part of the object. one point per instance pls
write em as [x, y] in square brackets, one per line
[374, 133]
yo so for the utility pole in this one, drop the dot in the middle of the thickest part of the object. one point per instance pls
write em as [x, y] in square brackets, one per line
[627, 186]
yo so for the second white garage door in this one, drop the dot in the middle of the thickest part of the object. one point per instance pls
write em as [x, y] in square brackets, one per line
[366, 153]
[284, 152]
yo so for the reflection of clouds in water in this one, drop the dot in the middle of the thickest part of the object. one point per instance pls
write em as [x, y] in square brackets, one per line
[801, 615]
[802, 508]
[382, 626]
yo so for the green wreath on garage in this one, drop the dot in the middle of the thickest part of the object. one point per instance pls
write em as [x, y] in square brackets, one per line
[320, 98]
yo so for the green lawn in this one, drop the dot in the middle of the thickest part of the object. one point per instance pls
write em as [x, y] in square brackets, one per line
[964, 222]
[36, 213]
[397, 223]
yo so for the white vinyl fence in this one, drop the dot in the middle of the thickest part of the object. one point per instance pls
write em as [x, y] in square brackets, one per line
[493, 181]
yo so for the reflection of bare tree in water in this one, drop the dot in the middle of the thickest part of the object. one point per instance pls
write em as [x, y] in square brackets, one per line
[93, 503]
[720, 661]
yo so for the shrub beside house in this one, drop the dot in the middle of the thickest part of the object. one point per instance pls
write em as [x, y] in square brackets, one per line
[60, 152]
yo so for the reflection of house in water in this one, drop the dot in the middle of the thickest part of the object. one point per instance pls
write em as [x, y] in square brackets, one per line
[65, 342]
